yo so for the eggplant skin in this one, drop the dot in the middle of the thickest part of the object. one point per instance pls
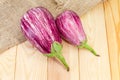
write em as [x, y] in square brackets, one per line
[70, 27]
[38, 26]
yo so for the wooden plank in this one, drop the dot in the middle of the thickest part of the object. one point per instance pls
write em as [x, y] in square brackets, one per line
[92, 67]
[56, 71]
[112, 17]
[7, 64]
[30, 63]
[118, 31]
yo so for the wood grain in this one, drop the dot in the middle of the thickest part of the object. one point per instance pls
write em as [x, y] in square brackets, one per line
[112, 19]
[95, 68]
[30, 63]
[7, 64]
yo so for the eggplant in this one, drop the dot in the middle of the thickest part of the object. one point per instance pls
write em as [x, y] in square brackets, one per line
[38, 26]
[71, 29]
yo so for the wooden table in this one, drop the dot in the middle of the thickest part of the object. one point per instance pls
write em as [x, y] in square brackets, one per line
[102, 26]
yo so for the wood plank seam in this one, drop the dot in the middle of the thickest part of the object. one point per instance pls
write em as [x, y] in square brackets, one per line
[15, 63]
[79, 63]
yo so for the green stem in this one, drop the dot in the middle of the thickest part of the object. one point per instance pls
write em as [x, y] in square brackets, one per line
[56, 52]
[86, 46]
[62, 59]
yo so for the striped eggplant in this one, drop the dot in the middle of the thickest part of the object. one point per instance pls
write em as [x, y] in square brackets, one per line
[70, 28]
[38, 26]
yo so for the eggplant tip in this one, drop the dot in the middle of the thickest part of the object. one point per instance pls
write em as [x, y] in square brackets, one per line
[68, 69]
[97, 55]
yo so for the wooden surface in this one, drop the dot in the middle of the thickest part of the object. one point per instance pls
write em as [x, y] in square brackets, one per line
[12, 10]
[102, 26]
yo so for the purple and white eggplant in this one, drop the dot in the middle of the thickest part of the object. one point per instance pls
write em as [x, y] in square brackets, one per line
[38, 26]
[71, 29]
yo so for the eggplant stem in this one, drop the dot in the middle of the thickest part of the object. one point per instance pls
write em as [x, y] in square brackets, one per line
[62, 59]
[56, 52]
[86, 46]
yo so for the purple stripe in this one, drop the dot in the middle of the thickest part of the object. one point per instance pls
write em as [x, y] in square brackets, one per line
[70, 27]
[39, 27]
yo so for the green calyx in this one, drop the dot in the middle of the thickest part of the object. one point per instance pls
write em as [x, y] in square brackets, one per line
[56, 48]
[86, 46]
